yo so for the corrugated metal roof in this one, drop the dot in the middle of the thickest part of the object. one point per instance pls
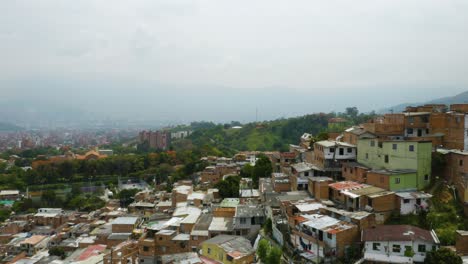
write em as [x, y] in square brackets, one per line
[414, 195]
[397, 233]
[125, 220]
[345, 185]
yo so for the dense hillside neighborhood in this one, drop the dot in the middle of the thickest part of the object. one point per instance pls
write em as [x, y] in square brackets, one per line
[373, 189]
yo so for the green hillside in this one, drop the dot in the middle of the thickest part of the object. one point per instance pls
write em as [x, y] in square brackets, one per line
[271, 135]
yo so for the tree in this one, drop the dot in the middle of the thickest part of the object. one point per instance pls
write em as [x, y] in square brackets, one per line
[247, 171]
[23, 205]
[321, 136]
[229, 188]
[274, 256]
[4, 214]
[263, 249]
[352, 112]
[57, 251]
[442, 256]
[127, 196]
[262, 169]
[49, 198]
[66, 170]
[268, 228]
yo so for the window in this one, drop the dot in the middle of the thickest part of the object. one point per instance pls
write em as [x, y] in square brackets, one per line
[396, 248]
[349, 150]
[411, 148]
[380, 145]
[209, 250]
[341, 151]
[386, 158]
[406, 201]
[426, 177]
[243, 221]
[409, 131]
[195, 237]
[145, 248]
[329, 236]
[397, 180]
[460, 162]
[375, 246]
[427, 130]
[457, 119]
[306, 173]
[332, 150]
[369, 202]
[394, 146]
[421, 248]
[411, 119]
[351, 170]
[345, 169]
[367, 155]
[372, 143]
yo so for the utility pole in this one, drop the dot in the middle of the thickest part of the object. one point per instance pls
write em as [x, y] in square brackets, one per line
[112, 255]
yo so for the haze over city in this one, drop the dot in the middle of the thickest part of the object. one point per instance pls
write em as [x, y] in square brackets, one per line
[220, 60]
[233, 132]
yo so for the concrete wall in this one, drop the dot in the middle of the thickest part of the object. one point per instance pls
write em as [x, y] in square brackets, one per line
[386, 248]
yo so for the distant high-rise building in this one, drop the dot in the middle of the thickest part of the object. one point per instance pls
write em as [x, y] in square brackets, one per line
[156, 139]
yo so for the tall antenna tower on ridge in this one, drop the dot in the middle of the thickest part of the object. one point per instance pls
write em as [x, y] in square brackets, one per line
[256, 114]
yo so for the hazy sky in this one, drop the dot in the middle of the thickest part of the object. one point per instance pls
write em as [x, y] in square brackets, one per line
[219, 60]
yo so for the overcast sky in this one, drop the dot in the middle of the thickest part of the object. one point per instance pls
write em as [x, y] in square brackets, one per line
[219, 60]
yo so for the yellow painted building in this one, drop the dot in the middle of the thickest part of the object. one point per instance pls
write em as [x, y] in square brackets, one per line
[229, 249]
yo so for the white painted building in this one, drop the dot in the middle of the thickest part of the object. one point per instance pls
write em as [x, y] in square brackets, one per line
[398, 243]
[412, 202]
[335, 150]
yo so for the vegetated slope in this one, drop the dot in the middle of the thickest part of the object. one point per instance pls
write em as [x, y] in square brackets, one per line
[270, 135]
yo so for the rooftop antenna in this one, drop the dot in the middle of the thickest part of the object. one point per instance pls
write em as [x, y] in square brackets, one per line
[256, 115]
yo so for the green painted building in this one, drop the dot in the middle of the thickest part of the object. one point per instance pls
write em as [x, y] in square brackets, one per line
[407, 164]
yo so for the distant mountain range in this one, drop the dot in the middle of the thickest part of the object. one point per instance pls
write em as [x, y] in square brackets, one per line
[457, 99]
[9, 127]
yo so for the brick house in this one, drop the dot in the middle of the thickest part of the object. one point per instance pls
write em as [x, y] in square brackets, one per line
[456, 171]
[318, 187]
[280, 182]
[461, 243]
[354, 171]
[326, 235]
